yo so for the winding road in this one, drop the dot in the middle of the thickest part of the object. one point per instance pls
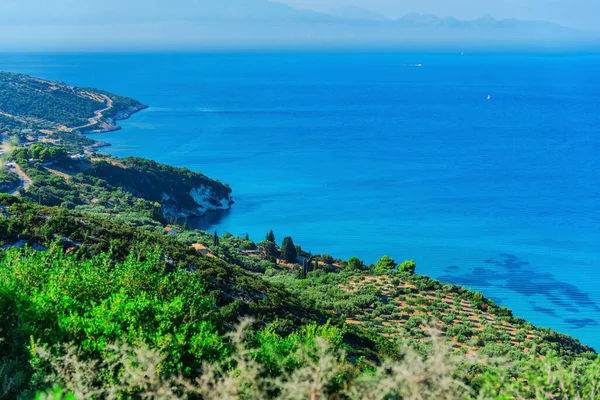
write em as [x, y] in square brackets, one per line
[97, 117]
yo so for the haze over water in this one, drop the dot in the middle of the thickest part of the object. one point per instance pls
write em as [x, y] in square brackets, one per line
[372, 154]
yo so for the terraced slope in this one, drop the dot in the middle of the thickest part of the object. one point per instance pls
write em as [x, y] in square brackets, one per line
[410, 308]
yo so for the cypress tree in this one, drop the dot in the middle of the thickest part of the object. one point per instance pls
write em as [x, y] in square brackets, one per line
[271, 236]
[288, 250]
[216, 239]
[247, 237]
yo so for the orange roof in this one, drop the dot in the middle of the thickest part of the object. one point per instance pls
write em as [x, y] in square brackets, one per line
[200, 247]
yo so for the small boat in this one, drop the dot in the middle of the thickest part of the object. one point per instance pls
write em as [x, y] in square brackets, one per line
[489, 96]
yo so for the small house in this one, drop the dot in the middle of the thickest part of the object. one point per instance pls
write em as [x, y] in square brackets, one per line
[200, 248]
[171, 231]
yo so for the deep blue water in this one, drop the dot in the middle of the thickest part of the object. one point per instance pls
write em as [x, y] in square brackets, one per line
[368, 154]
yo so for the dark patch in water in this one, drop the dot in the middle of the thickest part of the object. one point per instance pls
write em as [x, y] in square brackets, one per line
[581, 323]
[509, 272]
[547, 311]
[209, 220]
[452, 268]
[475, 278]
[499, 300]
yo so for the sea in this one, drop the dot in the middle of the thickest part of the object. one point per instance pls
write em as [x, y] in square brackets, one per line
[483, 168]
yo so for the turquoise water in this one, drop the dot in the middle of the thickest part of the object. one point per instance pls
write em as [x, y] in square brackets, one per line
[370, 154]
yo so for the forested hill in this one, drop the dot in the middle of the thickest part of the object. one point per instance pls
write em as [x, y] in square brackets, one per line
[33, 103]
[134, 191]
[46, 158]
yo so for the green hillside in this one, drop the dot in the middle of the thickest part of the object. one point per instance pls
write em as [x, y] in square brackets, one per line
[133, 191]
[27, 102]
[8, 180]
[92, 285]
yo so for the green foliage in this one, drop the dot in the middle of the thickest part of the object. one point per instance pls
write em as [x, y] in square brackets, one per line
[44, 104]
[154, 182]
[327, 259]
[51, 190]
[385, 264]
[408, 267]
[269, 248]
[88, 193]
[74, 142]
[8, 180]
[288, 250]
[124, 285]
[28, 97]
[97, 302]
[355, 264]
[270, 237]
[216, 239]
[46, 153]
[141, 300]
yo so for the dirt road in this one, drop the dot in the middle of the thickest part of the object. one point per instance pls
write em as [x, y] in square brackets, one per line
[97, 117]
[25, 180]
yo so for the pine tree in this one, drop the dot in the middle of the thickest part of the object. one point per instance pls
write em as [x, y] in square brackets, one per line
[271, 236]
[216, 239]
[385, 264]
[408, 266]
[288, 250]
[355, 264]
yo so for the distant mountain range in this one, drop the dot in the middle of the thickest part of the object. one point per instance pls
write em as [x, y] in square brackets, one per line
[247, 23]
[357, 13]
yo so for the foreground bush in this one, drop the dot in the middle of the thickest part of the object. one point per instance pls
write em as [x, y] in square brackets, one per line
[311, 371]
[78, 326]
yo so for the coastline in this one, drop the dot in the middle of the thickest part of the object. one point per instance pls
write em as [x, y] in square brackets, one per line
[203, 195]
[110, 124]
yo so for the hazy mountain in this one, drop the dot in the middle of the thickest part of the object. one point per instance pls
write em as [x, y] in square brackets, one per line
[416, 19]
[144, 11]
[244, 23]
[356, 13]
[488, 26]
